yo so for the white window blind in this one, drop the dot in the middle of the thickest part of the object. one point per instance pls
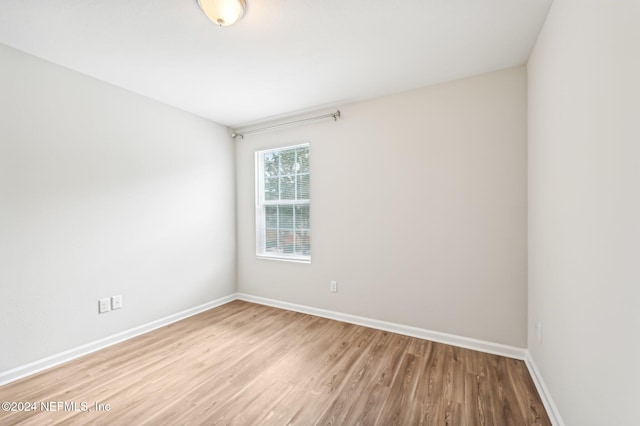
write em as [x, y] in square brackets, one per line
[282, 203]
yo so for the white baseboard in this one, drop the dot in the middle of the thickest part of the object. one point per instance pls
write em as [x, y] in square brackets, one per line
[51, 361]
[421, 333]
[549, 405]
[436, 336]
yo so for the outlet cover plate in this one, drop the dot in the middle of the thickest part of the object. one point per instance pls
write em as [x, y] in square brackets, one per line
[104, 305]
[116, 302]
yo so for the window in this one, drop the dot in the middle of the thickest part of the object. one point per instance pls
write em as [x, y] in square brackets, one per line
[282, 203]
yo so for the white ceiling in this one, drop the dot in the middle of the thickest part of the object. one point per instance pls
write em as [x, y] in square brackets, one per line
[283, 56]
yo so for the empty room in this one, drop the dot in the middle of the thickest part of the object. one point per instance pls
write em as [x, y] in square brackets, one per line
[273, 212]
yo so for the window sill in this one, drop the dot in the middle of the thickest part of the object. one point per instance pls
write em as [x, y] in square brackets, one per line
[283, 259]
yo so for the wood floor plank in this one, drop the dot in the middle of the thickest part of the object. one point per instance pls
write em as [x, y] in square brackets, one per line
[325, 381]
[246, 364]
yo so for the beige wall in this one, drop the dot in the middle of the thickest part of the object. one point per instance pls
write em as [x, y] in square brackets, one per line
[584, 209]
[418, 210]
[103, 192]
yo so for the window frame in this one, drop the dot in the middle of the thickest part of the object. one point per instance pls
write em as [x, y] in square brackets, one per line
[261, 204]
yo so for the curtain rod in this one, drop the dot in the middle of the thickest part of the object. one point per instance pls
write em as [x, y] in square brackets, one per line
[240, 133]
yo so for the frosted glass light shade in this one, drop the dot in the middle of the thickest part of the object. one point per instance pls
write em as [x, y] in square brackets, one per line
[223, 12]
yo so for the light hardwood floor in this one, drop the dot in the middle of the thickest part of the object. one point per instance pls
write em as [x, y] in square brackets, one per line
[248, 364]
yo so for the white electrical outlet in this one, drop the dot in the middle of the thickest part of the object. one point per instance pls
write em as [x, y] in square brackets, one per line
[539, 331]
[116, 302]
[333, 286]
[104, 305]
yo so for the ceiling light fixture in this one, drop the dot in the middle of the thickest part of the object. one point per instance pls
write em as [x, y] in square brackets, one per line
[223, 12]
